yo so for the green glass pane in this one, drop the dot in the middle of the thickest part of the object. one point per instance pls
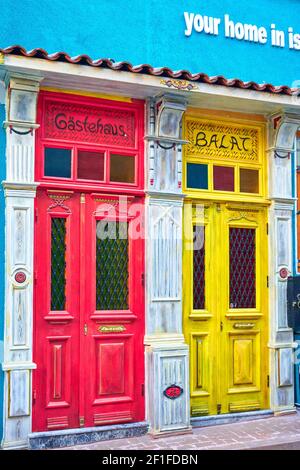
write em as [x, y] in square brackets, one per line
[58, 263]
[111, 266]
[197, 176]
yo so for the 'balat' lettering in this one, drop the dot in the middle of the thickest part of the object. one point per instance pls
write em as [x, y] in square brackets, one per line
[222, 141]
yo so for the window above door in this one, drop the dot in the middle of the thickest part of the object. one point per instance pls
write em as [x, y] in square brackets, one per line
[89, 142]
[224, 157]
[96, 166]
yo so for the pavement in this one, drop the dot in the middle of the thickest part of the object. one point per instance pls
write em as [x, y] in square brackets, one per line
[269, 433]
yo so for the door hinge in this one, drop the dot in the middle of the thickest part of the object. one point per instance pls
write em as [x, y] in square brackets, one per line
[143, 390]
[33, 396]
[219, 407]
[267, 281]
[268, 381]
[143, 279]
[85, 329]
[267, 228]
[81, 421]
[36, 215]
[221, 326]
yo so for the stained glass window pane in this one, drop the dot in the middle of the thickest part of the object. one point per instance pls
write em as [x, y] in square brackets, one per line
[199, 267]
[111, 266]
[58, 263]
[90, 165]
[197, 176]
[248, 181]
[122, 168]
[242, 268]
[57, 162]
[223, 178]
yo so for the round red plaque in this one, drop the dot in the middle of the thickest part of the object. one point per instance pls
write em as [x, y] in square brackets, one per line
[283, 273]
[20, 277]
[173, 391]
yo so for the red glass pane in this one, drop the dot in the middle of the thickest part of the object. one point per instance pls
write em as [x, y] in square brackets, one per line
[224, 178]
[90, 165]
[242, 268]
[199, 268]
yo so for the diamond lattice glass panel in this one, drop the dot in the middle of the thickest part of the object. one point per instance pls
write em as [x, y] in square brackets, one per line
[199, 267]
[242, 268]
[111, 266]
[58, 263]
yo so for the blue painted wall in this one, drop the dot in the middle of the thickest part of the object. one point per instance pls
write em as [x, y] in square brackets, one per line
[2, 226]
[153, 32]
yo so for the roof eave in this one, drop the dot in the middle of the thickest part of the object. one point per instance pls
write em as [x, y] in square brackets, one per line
[69, 75]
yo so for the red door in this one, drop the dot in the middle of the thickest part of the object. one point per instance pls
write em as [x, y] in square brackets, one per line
[89, 311]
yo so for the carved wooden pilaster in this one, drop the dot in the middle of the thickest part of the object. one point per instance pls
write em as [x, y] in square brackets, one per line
[20, 191]
[166, 351]
[282, 130]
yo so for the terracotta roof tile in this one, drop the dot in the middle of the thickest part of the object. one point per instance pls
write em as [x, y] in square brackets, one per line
[149, 70]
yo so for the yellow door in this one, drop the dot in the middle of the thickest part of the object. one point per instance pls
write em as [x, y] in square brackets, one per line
[225, 306]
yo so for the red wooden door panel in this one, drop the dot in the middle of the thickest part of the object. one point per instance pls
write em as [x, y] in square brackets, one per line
[89, 312]
[113, 312]
[56, 320]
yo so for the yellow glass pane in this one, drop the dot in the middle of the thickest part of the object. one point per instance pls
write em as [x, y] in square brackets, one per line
[122, 168]
[249, 181]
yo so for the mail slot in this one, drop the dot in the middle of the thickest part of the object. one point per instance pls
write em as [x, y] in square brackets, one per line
[293, 303]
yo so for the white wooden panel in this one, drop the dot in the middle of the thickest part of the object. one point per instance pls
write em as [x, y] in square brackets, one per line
[19, 393]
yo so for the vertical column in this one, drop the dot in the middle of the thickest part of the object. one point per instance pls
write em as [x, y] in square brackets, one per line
[167, 382]
[282, 130]
[19, 188]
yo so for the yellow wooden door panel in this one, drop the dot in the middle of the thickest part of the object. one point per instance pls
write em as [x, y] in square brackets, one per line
[243, 308]
[227, 331]
[242, 364]
[243, 353]
[200, 317]
[201, 372]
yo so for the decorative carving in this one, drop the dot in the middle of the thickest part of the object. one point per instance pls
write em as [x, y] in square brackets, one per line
[200, 211]
[20, 218]
[84, 123]
[59, 202]
[179, 84]
[219, 140]
[19, 320]
[112, 202]
[246, 214]
[112, 206]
